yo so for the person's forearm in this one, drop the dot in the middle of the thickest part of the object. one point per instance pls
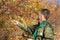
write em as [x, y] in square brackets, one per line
[23, 26]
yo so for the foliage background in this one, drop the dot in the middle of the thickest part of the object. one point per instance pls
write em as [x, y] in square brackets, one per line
[25, 11]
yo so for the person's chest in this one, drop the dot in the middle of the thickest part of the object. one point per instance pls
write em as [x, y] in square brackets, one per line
[40, 31]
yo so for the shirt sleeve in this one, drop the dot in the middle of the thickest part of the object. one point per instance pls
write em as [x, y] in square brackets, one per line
[25, 27]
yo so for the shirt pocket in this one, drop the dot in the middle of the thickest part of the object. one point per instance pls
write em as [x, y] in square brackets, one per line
[40, 31]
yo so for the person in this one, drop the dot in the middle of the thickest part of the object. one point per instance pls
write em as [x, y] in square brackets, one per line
[41, 31]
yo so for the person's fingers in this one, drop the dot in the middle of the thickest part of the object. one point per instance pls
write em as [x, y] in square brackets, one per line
[14, 22]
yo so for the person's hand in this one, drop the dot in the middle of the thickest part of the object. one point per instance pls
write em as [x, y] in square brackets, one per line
[15, 22]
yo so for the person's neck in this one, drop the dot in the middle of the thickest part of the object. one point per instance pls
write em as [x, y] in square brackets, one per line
[42, 20]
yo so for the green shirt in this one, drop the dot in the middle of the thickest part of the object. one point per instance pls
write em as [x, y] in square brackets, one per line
[45, 28]
[40, 25]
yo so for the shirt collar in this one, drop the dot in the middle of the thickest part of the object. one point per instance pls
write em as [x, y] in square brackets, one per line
[43, 23]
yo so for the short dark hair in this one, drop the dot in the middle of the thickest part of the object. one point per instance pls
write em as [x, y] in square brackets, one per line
[46, 13]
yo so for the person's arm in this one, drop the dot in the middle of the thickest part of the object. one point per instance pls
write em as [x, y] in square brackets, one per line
[23, 26]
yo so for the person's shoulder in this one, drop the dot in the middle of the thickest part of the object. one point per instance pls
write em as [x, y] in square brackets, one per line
[49, 25]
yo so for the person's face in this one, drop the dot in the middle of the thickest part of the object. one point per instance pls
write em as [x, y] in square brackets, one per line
[40, 16]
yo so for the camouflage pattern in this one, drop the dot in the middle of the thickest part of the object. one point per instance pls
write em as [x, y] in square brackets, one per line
[44, 33]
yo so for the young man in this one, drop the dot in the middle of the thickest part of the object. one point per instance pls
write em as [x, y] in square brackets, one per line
[43, 30]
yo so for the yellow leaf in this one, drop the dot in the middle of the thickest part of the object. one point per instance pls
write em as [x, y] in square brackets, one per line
[36, 9]
[14, 1]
